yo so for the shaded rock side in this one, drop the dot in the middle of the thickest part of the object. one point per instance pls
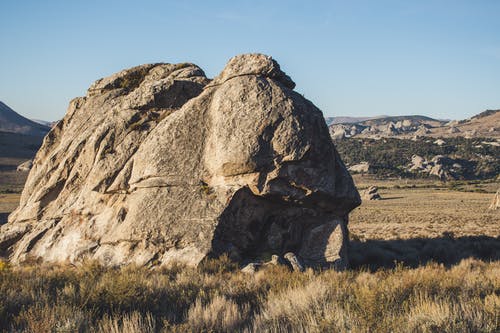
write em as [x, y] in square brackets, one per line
[159, 164]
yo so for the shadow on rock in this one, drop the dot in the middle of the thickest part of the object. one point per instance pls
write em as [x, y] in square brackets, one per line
[376, 254]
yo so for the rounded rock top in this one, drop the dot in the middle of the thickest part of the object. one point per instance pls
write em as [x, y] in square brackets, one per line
[253, 64]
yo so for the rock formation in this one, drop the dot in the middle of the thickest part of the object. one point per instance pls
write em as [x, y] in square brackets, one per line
[25, 166]
[158, 164]
[407, 127]
[418, 163]
[439, 142]
[440, 166]
[363, 167]
[371, 193]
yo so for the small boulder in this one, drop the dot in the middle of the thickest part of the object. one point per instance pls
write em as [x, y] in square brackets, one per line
[251, 268]
[25, 166]
[371, 193]
[294, 261]
[439, 142]
[363, 167]
[275, 260]
[418, 163]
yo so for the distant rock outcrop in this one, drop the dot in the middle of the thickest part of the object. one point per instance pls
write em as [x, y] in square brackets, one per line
[440, 166]
[158, 164]
[419, 126]
[25, 166]
[363, 167]
[371, 193]
[418, 163]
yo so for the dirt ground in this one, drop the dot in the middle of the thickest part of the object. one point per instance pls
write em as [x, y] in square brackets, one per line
[405, 213]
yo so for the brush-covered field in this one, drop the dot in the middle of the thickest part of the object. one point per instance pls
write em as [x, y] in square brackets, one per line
[424, 259]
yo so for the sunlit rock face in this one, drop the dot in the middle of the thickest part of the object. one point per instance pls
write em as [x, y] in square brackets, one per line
[158, 164]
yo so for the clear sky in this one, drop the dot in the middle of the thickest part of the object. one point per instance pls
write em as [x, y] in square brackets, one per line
[352, 58]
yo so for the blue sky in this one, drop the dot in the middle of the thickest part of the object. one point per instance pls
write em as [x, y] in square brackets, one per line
[438, 58]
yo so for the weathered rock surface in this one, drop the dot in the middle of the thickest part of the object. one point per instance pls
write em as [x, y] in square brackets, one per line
[159, 164]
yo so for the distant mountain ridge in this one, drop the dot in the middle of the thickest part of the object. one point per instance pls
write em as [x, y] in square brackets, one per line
[345, 119]
[485, 124]
[12, 122]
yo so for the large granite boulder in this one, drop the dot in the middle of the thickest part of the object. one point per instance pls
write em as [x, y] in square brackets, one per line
[159, 164]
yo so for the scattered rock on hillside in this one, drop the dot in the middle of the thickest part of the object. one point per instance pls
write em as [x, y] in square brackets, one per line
[411, 126]
[418, 163]
[363, 167]
[422, 131]
[338, 133]
[158, 164]
[439, 142]
[251, 268]
[443, 167]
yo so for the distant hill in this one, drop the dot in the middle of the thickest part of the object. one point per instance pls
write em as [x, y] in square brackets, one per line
[20, 139]
[12, 122]
[485, 114]
[342, 120]
[414, 119]
[485, 124]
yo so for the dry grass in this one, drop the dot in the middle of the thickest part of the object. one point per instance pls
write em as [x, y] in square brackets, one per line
[425, 212]
[425, 260]
[431, 298]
